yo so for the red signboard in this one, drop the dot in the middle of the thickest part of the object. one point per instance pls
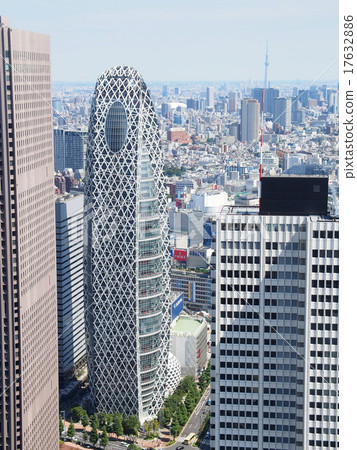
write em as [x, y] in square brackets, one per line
[180, 255]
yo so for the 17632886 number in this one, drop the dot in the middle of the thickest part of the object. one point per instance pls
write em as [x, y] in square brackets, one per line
[348, 44]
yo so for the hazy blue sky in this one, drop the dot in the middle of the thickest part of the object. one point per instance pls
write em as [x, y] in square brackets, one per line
[185, 40]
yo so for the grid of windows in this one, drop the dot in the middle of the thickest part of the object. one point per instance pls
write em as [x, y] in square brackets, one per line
[268, 276]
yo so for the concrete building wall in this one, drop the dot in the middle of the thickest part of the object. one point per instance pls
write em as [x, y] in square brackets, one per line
[249, 120]
[275, 333]
[70, 294]
[29, 405]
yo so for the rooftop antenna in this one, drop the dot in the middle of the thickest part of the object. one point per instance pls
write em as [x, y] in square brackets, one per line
[261, 148]
[266, 68]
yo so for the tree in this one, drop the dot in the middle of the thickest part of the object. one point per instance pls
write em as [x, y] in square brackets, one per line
[71, 430]
[168, 413]
[182, 414]
[104, 440]
[61, 426]
[77, 413]
[175, 427]
[131, 425]
[161, 417]
[93, 437]
[117, 425]
[85, 419]
[105, 420]
[94, 420]
[155, 425]
[85, 435]
[147, 426]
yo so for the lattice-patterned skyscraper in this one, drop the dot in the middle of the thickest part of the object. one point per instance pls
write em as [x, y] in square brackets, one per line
[126, 248]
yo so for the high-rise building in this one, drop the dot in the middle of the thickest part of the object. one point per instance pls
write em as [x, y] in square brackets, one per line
[304, 97]
[333, 102]
[270, 95]
[282, 112]
[70, 148]
[249, 120]
[192, 103]
[75, 145]
[28, 305]
[297, 113]
[275, 321]
[210, 97]
[70, 290]
[126, 249]
[233, 102]
[59, 149]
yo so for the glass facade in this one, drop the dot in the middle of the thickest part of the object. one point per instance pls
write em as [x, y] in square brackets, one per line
[126, 250]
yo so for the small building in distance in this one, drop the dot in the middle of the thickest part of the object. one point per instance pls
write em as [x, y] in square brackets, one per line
[189, 344]
[178, 135]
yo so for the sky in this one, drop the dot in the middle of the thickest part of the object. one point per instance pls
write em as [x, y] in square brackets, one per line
[186, 40]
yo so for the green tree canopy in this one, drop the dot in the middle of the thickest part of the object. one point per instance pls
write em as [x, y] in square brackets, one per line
[104, 439]
[182, 414]
[155, 425]
[105, 420]
[174, 171]
[77, 413]
[131, 425]
[85, 419]
[117, 427]
[133, 447]
[71, 430]
[175, 427]
[85, 435]
[93, 437]
[94, 420]
[61, 426]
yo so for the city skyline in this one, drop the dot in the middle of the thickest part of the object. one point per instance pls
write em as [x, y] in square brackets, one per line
[212, 130]
[302, 37]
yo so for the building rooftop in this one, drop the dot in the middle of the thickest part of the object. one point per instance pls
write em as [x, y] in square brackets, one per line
[187, 324]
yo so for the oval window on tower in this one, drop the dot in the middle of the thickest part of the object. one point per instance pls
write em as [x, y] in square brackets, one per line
[116, 125]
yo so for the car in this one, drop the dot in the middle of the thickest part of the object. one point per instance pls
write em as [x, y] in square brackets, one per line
[180, 447]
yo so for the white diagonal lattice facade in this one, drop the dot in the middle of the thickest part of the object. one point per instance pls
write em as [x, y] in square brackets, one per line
[126, 249]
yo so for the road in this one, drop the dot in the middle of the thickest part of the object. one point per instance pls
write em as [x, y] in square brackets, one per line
[113, 445]
[194, 424]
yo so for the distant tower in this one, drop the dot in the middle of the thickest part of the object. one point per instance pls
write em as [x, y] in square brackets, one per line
[233, 102]
[249, 120]
[282, 111]
[266, 69]
[210, 97]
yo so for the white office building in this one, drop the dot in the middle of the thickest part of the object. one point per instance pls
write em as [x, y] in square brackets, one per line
[70, 290]
[126, 249]
[249, 120]
[275, 331]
